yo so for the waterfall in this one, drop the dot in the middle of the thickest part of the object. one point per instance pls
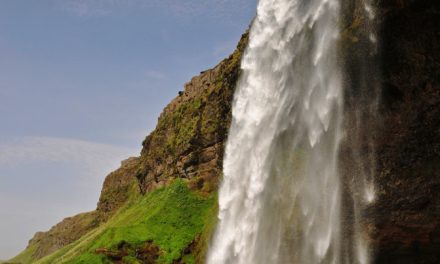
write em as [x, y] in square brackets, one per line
[280, 199]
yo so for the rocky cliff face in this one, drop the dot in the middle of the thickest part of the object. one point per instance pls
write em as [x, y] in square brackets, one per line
[400, 142]
[407, 214]
[188, 141]
[117, 188]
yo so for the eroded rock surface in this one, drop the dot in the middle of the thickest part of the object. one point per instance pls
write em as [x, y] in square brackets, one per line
[188, 141]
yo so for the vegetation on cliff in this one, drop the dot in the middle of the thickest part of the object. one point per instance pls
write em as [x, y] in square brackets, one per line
[117, 188]
[162, 226]
[188, 140]
[160, 207]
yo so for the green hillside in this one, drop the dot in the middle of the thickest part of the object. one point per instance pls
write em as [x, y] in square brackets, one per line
[160, 207]
[160, 226]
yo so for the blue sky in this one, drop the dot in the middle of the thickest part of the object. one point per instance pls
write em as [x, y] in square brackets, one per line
[82, 82]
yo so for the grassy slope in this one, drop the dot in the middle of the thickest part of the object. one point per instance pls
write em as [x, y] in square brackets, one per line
[174, 218]
[25, 256]
[171, 217]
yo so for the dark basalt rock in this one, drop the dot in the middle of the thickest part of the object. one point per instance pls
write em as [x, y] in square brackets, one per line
[403, 135]
[408, 145]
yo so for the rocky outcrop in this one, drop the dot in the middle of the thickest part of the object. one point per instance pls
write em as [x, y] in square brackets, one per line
[188, 141]
[147, 253]
[117, 188]
[62, 234]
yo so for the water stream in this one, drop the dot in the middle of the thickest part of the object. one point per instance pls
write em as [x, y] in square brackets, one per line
[280, 200]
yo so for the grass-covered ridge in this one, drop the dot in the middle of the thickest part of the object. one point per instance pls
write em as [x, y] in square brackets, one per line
[167, 221]
[136, 222]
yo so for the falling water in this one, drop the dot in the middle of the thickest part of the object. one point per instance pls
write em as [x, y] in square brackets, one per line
[362, 103]
[280, 201]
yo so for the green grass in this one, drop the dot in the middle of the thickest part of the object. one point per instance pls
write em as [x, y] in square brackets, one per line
[210, 223]
[172, 217]
[25, 256]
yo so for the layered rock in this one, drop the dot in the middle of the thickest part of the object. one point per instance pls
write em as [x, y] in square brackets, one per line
[188, 141]
[117, 188]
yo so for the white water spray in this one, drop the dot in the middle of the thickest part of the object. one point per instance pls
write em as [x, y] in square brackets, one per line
[280, 201]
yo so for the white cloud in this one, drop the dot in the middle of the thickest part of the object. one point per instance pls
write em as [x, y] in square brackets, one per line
[94, 157]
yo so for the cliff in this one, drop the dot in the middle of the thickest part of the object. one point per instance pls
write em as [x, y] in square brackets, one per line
[189, 138]
[393, 124]
[159, 206]
[407, 214]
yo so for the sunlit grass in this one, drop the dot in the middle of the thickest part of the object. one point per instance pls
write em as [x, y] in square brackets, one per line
[171, 217]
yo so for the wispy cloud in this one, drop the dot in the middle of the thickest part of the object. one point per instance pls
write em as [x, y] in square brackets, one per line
[33, 200]
[86, 8]
[156, 75]
[224, 48]
[94, 157]
[218, 8]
